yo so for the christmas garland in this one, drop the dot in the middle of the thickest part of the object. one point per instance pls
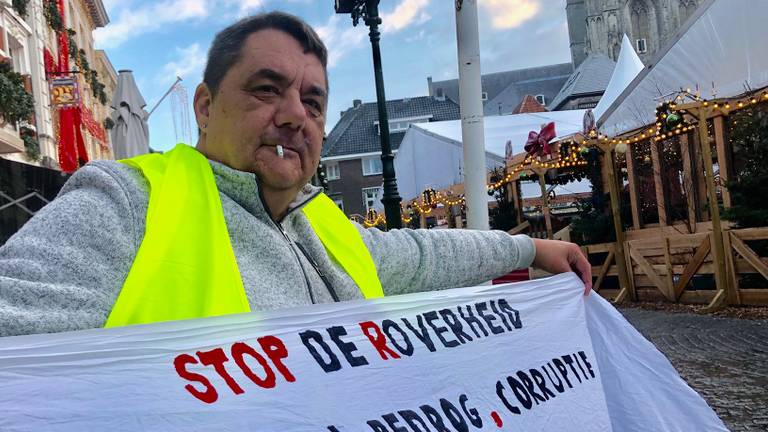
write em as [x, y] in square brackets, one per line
[31, 145]
[15, 103]
[91, 76]
[20, 6]
[56, 22]
[52, 16]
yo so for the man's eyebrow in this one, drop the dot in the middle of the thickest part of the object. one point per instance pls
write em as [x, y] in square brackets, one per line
[269, 74]
[317, 91]
[281, 79]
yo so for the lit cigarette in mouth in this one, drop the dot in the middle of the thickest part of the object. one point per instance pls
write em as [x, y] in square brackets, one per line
[280, 152]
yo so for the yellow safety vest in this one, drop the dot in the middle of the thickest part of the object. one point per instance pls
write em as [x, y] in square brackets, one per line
[185, 267]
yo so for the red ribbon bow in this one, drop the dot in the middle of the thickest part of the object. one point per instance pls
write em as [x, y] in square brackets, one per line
[538, 143]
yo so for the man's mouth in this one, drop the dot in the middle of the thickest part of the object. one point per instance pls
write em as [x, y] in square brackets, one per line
[283, 151]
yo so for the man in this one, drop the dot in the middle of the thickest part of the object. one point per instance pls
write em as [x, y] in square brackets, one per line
[233, 226]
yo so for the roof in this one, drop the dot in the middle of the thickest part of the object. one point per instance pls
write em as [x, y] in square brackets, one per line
[628, 66]
[719, 52]
[506, 89]
[529, 104]
[98, 12]
[431, 153]
[356, 130]
[101, 55]
[591, 77]
[515, 128]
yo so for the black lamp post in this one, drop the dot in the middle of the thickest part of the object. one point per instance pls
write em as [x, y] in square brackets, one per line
[369, 11]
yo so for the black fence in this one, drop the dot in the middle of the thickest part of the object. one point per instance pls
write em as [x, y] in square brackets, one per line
[24, 189]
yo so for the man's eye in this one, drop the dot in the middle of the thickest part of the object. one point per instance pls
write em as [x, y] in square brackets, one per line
[314, 105]
[267, 89]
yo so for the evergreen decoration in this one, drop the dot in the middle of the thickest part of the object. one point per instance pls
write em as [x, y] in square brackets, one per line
[15, 103]
[52, 16]
[91, 76]
[31, 145]
[20, 6]
[593, 223]
[749, 137]
[503, 216]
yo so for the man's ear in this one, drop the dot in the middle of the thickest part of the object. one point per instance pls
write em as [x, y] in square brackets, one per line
[202, 105]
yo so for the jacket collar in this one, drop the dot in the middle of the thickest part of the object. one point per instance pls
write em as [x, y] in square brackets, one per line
[243, 188]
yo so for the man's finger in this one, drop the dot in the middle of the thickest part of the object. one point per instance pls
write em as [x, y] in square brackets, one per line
[585, 270]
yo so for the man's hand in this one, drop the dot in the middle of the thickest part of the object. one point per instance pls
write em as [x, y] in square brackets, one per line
[556, 256]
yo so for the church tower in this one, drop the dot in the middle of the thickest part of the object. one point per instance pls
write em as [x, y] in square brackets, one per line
[597, 26]
[577, 30]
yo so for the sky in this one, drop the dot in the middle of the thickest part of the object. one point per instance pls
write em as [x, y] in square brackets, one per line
[159, 40]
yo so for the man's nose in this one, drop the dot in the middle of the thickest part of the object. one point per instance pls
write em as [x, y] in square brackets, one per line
[291, 112]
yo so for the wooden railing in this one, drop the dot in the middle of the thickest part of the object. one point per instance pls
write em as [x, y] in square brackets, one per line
[677, 267]
[742, 260]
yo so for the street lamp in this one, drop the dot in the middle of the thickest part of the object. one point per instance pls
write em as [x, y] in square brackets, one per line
[369, 11]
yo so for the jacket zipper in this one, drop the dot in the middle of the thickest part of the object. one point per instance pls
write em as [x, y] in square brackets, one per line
[301, 248]
[327, 283]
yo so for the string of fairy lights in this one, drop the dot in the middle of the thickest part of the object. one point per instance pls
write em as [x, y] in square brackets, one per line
[670, 121]
[430, 201]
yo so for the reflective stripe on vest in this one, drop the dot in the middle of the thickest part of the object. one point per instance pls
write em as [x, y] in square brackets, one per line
[185, 267]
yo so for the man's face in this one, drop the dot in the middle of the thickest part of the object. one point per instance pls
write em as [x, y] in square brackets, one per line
[274, 95]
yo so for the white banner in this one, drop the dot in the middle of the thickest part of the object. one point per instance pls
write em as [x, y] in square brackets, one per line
[534, 356]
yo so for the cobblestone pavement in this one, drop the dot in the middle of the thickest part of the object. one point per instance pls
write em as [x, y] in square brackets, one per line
[724, 359]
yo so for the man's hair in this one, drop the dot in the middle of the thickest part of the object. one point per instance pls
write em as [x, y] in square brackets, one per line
[228, 43]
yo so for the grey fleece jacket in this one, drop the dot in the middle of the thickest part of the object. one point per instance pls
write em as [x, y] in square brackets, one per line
[64, 269]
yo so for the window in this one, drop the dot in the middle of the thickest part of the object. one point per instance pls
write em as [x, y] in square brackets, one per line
[332, 171]
[370, 197]
[641, 46]
[372, 166]
[401, 124]
[484, 96]
[339, 202]
[541, 99]
[587, 105]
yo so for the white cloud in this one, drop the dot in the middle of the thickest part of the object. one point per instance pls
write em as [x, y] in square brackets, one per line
[507, 14]
[340, 37]
[188, 64]
[406, 13]
[417, 37]
[245, 7]
[135, 21]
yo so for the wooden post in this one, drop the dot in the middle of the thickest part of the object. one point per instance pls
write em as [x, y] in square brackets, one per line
[545, 203]
[690, 194]
[516, 202]
[608, 165]
[668, 264]
[458, 220]
[701, 184]
[718, 254]
[733, 277]
[722, 159]
[633, 199]
[661, 205]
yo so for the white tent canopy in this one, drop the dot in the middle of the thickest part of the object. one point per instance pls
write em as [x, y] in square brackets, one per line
[431, 154]
[720, 51]
[627, 68]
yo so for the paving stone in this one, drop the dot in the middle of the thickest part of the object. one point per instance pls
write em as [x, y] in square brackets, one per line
[724, 359]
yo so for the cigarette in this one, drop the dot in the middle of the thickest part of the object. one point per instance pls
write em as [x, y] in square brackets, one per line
[279, 150]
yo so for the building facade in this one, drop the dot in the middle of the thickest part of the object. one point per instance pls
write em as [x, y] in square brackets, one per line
[598, 26]
[351, 156]
[503, 91]
[33, 46]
